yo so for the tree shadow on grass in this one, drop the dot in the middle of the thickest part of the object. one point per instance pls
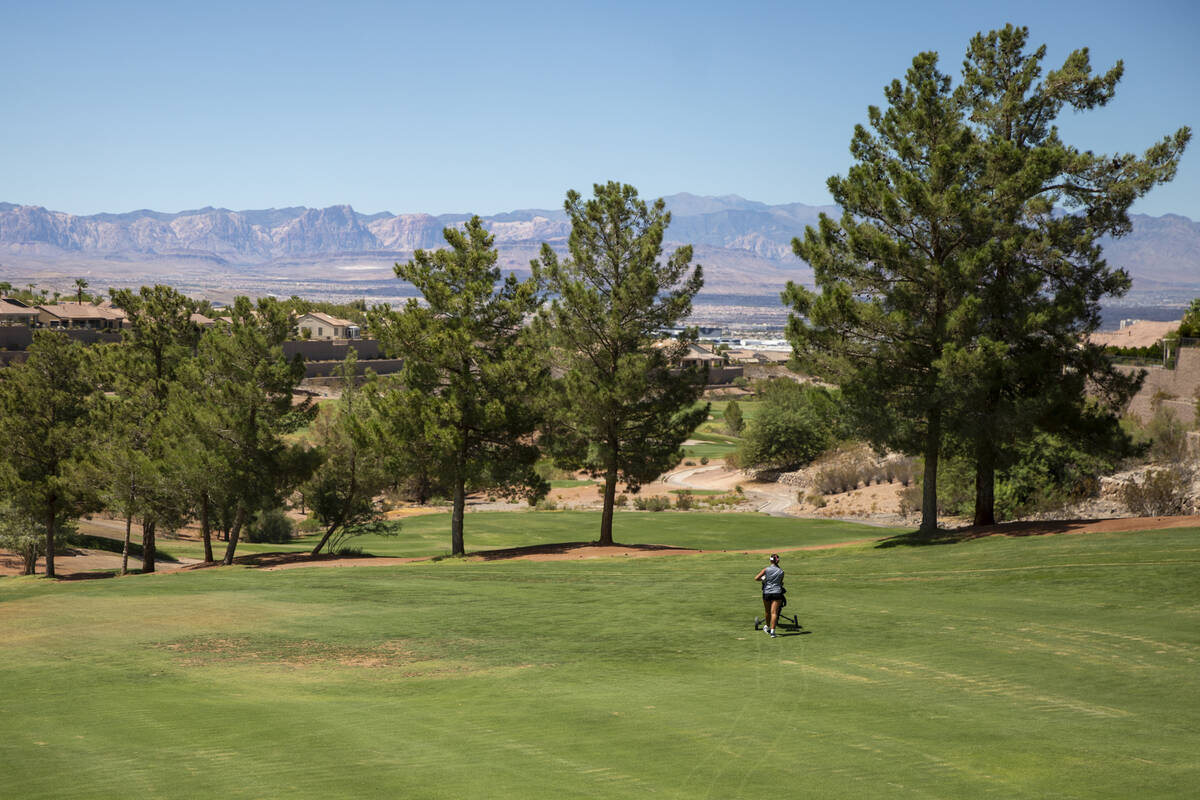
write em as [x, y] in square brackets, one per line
[959, 535]
[561, 548]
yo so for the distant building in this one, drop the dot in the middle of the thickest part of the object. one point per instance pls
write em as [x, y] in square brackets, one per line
[85, 316]
[322, 326]
[14, 312]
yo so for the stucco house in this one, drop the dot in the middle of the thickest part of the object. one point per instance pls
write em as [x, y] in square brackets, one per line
[82, 315]
[322, 326]
[14, 312]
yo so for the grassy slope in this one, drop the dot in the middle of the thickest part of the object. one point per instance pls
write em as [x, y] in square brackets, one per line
[429, 535]
[1060, 666]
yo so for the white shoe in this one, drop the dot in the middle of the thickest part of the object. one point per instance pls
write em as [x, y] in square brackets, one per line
[766, 630]
[772, 633]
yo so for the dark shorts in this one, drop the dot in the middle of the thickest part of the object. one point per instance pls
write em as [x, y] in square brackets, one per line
[768, 598]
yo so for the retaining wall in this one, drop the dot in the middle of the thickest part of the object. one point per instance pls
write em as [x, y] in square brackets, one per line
[1178, 388]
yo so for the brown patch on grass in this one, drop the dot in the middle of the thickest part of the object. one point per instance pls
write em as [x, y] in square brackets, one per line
[206, 650]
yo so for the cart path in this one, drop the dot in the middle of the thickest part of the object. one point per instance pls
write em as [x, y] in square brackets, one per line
[774, 499]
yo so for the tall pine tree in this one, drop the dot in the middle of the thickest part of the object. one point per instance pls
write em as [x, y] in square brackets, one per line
[619, 410]
[894, 271]
[1023, 361]
[471, 377]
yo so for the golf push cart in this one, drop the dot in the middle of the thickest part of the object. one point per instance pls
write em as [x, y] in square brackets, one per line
[788, 623]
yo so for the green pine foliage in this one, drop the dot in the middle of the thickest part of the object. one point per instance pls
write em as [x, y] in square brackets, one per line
[955, 294]
[44, 407]
[619, 410]
[471, 375]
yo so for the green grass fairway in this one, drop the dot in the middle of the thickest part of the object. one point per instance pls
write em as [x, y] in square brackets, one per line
[1058, 666]
[429, 535]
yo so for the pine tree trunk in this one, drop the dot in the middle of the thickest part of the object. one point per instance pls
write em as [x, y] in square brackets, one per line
[610, 498]
[125, 545]
[457, 547]
[149, 547]
[985, 484]
[206, 528]
[933, 446]
[456, 518]
[234, 534]
[51, 513]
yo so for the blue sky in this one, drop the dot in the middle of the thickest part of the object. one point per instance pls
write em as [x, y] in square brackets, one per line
[456, 107]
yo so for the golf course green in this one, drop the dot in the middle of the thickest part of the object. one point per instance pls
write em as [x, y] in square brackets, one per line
[1042, 666]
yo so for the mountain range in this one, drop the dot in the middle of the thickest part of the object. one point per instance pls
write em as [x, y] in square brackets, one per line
[745, 246]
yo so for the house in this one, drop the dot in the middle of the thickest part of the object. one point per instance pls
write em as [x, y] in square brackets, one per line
[14, 312]
[84, 316]
[323, 326]
[698, 356]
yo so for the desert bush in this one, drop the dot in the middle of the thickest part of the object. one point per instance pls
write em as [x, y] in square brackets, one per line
[654, 503]
[844, 468]
[272, 526]
[1162, 492]
[704, 459]
[815, 499]
[546, 504]
[898, 470]
[684, 500]
[621, 500]
[910, 501]
[309, 525]
[1167, 436]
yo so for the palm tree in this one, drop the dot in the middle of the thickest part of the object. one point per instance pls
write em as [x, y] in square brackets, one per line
[80, 285]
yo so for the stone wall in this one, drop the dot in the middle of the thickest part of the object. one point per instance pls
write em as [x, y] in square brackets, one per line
[1177, 387]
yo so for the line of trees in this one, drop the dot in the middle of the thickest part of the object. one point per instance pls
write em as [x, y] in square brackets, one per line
[177, 424]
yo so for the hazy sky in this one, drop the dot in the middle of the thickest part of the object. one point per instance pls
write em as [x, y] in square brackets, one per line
[488, 107]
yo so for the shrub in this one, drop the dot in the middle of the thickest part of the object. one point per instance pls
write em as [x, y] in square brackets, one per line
[704, 459]
[310, 525]
[1167, 436]
[796, 424]
[621, 500]
[844, 469]
[1161, 493]
[272, 526]
[684, 500]
[655, 503]
[546, 504]
[815, 499]
[910, 501]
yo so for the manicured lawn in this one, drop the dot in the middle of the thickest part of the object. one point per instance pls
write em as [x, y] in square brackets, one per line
[1059, 666]
[429, 535]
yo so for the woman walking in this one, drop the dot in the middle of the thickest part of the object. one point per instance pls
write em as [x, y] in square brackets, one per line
[772, 591]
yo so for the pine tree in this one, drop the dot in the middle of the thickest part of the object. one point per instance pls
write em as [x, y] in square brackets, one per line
[619, 411]
[894, 272]
[470, 376]
[236, 399]
[1023, 361]
[44, 408]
